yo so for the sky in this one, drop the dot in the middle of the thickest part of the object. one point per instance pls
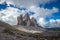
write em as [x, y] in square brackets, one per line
[46, 12]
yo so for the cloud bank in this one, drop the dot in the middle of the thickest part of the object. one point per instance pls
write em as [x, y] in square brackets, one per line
[42, 12]
[53, 23]
[27, 3]
[10, 14]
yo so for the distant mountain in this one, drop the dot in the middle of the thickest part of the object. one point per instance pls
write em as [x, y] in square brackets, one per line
[53, 29]
[27, 21]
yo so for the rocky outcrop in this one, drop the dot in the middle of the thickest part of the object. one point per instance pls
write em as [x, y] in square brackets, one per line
[26, 21]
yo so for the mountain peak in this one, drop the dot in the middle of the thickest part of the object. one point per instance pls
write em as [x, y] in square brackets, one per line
[26, 21]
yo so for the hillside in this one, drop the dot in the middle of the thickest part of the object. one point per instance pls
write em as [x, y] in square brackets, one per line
[8, 32]
[11, 33]
[18, 32]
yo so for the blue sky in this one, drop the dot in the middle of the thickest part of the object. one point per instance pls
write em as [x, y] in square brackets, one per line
[53, 4]
[50, 6]
[46, 12]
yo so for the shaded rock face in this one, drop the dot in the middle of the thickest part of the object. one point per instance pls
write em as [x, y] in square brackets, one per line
[20, 19]
[33, 22]
[26, 21]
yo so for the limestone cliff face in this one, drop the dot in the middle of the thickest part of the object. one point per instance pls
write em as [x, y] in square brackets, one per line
[34, 22]
[26, 21]
[20, 20]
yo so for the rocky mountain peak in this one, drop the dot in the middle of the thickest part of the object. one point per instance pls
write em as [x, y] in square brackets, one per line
[20, 19]
[26, 21]
[34, 22]
[26, 17]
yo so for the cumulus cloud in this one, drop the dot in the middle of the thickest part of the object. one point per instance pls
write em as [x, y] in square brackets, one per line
[9, 15]
[1, 1]
[42, 12]
[42, 22]
[53, 23]
[58, 22]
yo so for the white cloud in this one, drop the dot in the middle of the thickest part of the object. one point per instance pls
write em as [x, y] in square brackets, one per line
[1, 1]
[42, 12]
[27, 3]
[58, 22]
[42, 22]
[10, 14]
[53, 23]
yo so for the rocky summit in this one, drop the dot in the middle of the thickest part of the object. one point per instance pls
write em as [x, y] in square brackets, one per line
[26, 21]
[8, 32]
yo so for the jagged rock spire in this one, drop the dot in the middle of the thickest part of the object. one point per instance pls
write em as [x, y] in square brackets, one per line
[26, 21]
[34, 22]
[19, 19]
[26, 17]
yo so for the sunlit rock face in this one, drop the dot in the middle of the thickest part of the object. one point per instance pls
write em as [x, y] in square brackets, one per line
[26, 18]
[26, 21]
